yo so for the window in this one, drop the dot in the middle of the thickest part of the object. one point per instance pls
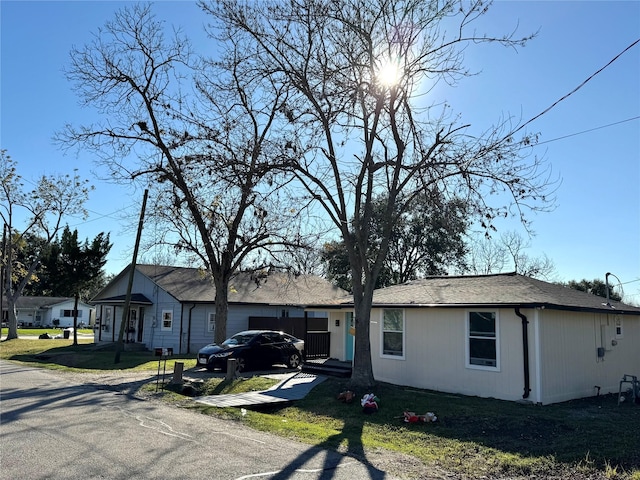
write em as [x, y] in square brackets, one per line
[272, 337]
[167, 320]
[211, 322]
[133, 319]
[106, 324]
[393, 333]
[482, 332]
[69, 313]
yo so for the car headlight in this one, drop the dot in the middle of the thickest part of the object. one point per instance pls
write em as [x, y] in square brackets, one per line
[222, 354]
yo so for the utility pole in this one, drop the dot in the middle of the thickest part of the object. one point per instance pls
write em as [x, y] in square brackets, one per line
[132, 269]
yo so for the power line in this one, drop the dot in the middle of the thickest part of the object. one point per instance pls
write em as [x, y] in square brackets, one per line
[587, 131]
[575, 89]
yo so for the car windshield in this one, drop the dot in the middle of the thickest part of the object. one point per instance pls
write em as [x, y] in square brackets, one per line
[238, 339]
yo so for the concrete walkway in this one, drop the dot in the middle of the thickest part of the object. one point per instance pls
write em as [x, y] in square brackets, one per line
[294, 386]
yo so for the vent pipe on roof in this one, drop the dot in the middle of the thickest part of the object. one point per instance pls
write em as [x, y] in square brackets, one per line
[525, 352]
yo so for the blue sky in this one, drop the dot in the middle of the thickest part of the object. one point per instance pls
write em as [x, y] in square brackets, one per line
[594, 229]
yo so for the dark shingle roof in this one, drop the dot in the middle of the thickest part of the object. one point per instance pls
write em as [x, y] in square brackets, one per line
[192, 285]
[27, 302]
[507, 290]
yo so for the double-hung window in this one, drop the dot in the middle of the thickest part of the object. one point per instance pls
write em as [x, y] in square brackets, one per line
[167, 320]
[482, 340]
[393, 333]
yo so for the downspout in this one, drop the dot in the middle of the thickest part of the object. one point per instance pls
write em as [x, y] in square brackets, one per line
[189, 329]
[181, 328]
[525, 352]
[306, 332]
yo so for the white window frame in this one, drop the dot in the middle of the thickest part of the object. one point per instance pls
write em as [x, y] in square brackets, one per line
[468, 337]
[404, 336]
[166, 324]
[211, 322]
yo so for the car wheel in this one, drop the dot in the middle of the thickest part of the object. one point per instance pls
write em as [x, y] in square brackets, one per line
[241, 364]
[294, 360]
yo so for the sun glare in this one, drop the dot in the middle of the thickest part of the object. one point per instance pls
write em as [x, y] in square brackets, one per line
[388, 74]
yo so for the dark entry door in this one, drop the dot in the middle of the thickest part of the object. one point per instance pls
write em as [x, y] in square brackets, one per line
[140, 325]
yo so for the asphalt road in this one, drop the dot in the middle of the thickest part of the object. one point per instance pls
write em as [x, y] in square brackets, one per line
[51, 428]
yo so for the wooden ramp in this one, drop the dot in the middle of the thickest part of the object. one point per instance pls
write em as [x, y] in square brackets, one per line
[295, 387]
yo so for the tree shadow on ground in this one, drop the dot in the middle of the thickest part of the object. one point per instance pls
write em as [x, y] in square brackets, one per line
[349, 437]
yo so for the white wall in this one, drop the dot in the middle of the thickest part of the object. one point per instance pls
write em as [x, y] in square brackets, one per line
[55, 313]
[570, 365]
[563, 360]
[435, 355]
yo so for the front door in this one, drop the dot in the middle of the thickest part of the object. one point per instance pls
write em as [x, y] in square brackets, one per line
[133, 321]
[349, 335]
[140, 324]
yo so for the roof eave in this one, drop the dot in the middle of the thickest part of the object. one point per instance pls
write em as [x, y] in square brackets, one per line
[532, 305]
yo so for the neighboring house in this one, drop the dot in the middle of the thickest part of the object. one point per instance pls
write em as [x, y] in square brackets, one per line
[505, 336]
[49, 312]
[174, 307]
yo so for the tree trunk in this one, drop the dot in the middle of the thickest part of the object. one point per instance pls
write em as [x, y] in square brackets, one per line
[221, 283]
[6, 289]
[362, 375]
[13, 318]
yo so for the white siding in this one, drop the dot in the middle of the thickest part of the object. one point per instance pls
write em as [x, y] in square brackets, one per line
[570, 365]
[563, 355]
[435, 357]
[43, 317]
[54, 313]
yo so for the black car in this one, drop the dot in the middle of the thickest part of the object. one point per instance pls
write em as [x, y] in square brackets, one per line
[252, 349]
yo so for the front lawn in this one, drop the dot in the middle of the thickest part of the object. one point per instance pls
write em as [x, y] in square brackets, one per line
[61, 354]
[35, 332]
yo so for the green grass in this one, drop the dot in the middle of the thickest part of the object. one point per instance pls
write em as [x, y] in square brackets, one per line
[61, 354]
[472, 436]
[39, 331]
[594, 437]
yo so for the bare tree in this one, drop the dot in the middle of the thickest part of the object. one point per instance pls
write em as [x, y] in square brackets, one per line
[487, 255]
[358, 126]
[32, 213]
[200, 136]
[524, 264]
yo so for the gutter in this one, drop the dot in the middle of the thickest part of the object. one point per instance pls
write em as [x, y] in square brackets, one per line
[525, 352]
